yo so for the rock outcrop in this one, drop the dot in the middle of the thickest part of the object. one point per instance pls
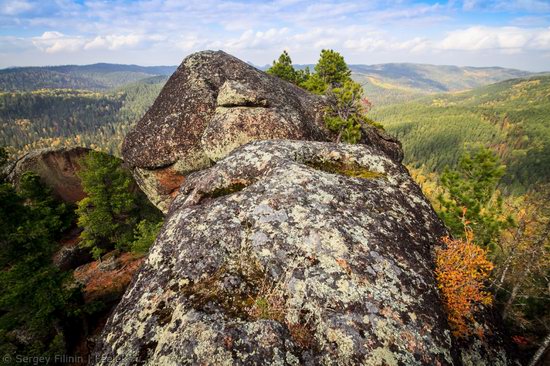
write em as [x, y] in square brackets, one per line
[106, 280]
[70, 254]
[57, 168]
[288, 253]
[212, 104]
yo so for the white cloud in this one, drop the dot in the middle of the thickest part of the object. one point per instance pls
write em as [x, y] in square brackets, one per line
[377, 43]
[13, 44]
[164, 31]
[258, 39]
[15, 7]
[469, 4]
[507, 39]
[53, 42]
[113, 42]
[541, 41]
[532, 6]
[190, 42]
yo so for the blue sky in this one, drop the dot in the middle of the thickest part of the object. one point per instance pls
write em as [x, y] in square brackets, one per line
[508, 33]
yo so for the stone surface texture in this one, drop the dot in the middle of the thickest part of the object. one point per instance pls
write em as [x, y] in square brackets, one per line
[57, 167]
[212, 104]
[292, 253]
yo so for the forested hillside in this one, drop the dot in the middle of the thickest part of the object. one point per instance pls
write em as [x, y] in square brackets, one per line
[98, 77]
[63, 117]
[512, 117]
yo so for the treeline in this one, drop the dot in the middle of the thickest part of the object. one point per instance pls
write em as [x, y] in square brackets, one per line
[37, 78]
[97, 77]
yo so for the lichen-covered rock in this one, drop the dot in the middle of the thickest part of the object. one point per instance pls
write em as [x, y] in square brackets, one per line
[288, 253]
[212, 104]
[57, 168]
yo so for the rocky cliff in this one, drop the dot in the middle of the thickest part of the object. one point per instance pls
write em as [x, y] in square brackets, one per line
[212, 104]
[56, 167]
[282, 252]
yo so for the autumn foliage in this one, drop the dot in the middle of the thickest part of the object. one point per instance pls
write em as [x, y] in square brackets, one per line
[461, 271]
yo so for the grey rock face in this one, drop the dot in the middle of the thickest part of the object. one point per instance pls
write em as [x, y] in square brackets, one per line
[212, 104]
[288, 253]
[56, 167]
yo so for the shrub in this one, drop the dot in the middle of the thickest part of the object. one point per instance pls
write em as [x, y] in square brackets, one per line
[461, 271]
[145, 233]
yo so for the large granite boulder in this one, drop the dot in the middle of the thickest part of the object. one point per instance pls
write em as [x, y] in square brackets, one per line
[57, 168]
[288, 253]
[212, 104]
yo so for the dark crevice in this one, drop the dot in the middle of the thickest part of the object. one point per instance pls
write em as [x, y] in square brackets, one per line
[144, 352]
[249, 104]
[222, 191]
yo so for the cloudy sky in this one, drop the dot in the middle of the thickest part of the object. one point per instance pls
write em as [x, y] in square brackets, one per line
[509, 33]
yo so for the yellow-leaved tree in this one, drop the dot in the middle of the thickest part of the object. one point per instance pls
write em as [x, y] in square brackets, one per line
[462, 270]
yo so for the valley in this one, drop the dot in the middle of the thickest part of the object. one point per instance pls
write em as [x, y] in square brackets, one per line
[511, 117]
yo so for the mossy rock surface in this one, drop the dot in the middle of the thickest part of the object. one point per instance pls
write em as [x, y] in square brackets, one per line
[349, 170]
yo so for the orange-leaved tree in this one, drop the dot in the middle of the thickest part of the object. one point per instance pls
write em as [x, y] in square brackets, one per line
[462, 269]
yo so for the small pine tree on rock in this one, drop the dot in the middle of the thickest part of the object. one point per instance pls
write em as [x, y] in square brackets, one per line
[283, 68]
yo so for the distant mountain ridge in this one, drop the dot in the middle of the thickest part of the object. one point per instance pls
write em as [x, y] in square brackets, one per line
[99, 67]
[384, 83]
[438, 78]
[399, 82]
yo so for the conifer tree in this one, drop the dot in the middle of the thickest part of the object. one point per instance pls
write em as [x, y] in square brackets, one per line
[332, 68]
[472, 198]
[3, 157]
[347, 108]
[34, 296]
[315, 84]
[112, 208]
[283, 68]
[3, 162]
[346, 113]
